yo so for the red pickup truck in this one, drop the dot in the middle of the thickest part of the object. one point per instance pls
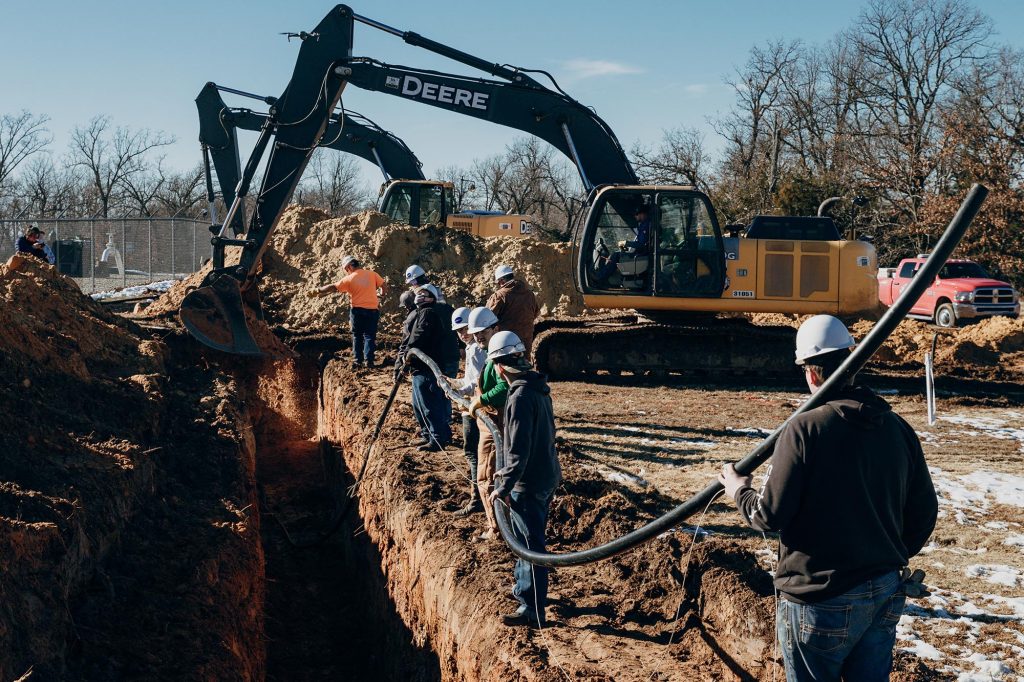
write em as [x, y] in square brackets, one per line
[962, 291]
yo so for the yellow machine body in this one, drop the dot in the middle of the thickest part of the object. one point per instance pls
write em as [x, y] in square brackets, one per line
[518, 226]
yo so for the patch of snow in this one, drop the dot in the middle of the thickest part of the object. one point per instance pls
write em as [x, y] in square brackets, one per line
[750, 431]
[975, 492]
[1015, 541]
[990, 669]
[997, 574]
[623, 478]
[131, 292]
[989, 426]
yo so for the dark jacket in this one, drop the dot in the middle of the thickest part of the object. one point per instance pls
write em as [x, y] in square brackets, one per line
[850, 493]
[449, 345]
[530, 460]
[516, 308]
[28, 248]
[425, 331]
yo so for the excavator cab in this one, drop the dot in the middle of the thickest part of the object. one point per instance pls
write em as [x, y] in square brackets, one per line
[658, 242]
[418, 202]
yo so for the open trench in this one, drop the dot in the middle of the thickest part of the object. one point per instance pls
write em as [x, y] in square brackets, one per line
[328, 611]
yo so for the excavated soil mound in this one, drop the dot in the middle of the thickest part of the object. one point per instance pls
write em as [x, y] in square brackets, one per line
[305, 252]
[992, 346]
[84, 427]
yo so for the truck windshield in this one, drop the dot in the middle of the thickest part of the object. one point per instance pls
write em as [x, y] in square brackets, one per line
[964, 270]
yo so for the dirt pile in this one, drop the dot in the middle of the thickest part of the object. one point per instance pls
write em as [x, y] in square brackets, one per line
[85, 434]
[305, 252]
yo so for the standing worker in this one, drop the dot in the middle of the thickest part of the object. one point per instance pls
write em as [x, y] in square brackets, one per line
[476, 357]
[362, 287]
[428, 333]
[849, 491]
[530, 471]
[515, 306]
[415, 277]
[491, 393]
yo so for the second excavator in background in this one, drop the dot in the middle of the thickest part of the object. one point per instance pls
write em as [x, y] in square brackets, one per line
[406, 195]
[656, 250]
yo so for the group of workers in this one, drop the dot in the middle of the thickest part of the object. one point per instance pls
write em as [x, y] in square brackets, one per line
[848, 489]
[492, 343]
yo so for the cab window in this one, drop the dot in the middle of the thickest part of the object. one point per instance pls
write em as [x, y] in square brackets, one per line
[688, 251]
[908, 270]
[398, 205]
[430, 204]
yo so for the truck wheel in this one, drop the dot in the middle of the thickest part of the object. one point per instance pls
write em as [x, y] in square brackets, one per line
[945, 316]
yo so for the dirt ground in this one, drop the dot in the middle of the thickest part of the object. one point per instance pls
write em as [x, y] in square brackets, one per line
[151, 491]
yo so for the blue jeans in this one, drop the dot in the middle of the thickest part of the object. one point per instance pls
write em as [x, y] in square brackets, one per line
[529, 522]
[848, 637]
[432, 408]
[364, 333]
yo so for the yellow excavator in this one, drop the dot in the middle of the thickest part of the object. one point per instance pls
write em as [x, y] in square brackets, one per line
[655, 250]
[423, 202]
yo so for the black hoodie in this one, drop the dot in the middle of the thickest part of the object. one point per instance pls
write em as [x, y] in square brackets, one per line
[850, 493]
[530, 462]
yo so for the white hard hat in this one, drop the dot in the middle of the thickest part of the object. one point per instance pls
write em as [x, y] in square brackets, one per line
[480, 319]
[504, 344]
[428, 289]
[412, 272]
[819, 335]
[460, 318]
[502, 271]
[346, 261]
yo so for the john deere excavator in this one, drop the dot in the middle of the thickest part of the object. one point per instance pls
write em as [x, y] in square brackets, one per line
[406, 196]
[675, 268]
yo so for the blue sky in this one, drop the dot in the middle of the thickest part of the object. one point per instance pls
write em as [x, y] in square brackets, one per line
[644, 66]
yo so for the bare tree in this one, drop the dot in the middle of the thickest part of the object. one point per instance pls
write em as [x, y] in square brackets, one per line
[910, 53]
[679, 159]
[181, 192]
[463, 184]
[333, 183]
[111, 157]
[21, 136]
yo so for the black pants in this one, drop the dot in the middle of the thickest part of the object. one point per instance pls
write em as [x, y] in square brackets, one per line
[471, 440]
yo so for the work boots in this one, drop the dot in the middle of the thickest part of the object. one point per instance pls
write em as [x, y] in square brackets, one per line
[474, 505]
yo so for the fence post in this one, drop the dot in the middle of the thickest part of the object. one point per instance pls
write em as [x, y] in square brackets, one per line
[172, 249]
[124, 253]
[92, 260]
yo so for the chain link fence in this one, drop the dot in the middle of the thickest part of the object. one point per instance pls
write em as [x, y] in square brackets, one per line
[104, 254]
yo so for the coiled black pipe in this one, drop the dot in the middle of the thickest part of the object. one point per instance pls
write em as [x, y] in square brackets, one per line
[858, 358]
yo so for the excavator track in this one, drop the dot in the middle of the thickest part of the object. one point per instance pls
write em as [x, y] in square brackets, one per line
[623, 343]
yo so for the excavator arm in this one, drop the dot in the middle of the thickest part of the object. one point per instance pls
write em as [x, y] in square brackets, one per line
[298, 122]
[350, 133]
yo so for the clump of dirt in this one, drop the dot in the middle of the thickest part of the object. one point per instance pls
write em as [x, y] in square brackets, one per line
[306, 249]
[985, 342]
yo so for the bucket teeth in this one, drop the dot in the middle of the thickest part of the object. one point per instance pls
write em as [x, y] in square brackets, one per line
[214, 315]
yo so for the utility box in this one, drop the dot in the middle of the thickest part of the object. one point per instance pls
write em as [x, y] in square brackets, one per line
[69, 255]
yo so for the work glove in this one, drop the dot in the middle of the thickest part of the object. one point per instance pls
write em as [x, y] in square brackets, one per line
[475, 406]
[912, 583]
[622, 245]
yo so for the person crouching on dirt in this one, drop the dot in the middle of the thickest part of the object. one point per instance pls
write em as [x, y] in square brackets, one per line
[515, 305]
[491, 392]
[361, 285]
[31, 244]
[476, 357]
[429, 334]
[530, 471]
[849, 491]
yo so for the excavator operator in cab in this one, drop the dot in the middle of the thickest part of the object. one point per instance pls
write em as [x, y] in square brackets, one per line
[636, 247]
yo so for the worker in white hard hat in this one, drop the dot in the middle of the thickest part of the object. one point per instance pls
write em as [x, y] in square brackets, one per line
[529, 470]
[415, 277]
[515, 305]
[849, 492]
[489, 397]
[365, 289]
[465, 385]
[432, 336]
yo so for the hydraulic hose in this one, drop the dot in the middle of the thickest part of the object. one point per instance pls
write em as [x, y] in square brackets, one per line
[858, 358]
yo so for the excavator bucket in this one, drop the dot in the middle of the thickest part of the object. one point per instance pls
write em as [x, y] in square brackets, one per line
[215, 316]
